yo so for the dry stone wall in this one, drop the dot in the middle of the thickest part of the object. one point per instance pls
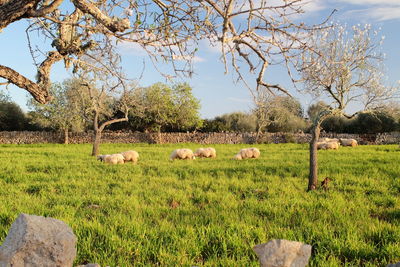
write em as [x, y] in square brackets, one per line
[196, 137]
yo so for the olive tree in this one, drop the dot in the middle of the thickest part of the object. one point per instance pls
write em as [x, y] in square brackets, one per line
[277, 113]
[346, 68]
[163, 107]
[60, 113]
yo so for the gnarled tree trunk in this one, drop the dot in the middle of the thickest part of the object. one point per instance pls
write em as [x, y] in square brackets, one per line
[313, 174]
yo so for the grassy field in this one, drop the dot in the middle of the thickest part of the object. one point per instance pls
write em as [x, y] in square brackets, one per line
[209, 212]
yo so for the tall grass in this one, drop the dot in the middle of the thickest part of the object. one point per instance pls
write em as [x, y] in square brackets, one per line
[209, 212]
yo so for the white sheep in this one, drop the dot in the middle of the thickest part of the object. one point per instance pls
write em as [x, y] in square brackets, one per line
[183, 153]
[328, 145]
[348, 142]
[326, 140]
[208, 152]
[112, 159]
[130, 155]
[247, 153]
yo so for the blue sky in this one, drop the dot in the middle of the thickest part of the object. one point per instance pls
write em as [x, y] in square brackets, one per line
[218, 92]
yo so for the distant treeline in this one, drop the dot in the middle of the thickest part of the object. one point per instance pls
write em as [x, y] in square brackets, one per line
[289, 117]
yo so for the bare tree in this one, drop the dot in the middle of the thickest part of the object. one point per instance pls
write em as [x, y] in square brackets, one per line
[347, 68]
[256, 33]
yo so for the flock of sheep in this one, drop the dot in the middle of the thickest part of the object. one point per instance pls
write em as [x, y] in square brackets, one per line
[182, 153]
[209, 152]
[334, 143]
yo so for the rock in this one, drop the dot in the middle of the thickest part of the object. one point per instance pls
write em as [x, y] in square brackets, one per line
[38, 241]
[394, 265]
[283, 253]
[90, 265]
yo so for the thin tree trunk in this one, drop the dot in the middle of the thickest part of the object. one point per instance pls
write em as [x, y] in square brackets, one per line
[159, 137]
[66, 137]
[96, 143]
[313, 175]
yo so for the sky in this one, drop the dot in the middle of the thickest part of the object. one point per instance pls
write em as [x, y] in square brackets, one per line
[218, 92]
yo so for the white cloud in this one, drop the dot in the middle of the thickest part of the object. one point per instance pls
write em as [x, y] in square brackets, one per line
[312, 6]
[379, 10]
[379, 14]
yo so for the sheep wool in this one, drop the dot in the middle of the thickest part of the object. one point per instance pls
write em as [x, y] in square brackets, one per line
[328, 145]
[130, 155]
[321, 145]
[114, 159]
[247, 153]
[332, 145]
[208, 152]
[182, 153]
[348, 142]
[326, 140]
[238, 156]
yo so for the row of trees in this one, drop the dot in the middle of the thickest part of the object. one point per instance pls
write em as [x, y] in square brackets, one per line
[163, 108]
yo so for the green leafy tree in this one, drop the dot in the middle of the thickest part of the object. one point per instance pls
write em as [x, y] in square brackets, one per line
[233, 122]
[12, 118]
[60, 114]
[160, 107]
[278, 113]
[186, 108]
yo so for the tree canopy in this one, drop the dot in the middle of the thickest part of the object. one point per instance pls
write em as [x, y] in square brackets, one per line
[161, 107]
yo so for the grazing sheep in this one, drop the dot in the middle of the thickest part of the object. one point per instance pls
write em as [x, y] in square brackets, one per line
[348, 142]
[247, 153]
[328, 145]
[208, 152]
[321, 145]
[112, 159]
[183, 153]
[102, 157]
[237, 156]
[326, 140]
[332, 145]
[130, 155]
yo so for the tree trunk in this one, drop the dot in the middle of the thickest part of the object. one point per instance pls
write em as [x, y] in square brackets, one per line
[313, 175]
[159, 137]
[96, 143]
[66, 137]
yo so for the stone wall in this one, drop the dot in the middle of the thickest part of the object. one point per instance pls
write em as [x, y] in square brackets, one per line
[201, 138]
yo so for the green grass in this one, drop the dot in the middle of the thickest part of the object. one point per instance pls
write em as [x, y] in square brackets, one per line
[209, 212]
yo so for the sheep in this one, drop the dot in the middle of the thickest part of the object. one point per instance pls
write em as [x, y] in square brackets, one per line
[332, 145]
[183, 153]
[130, 155]
[328, 145]
[112, 159]
[247, 153]
[238, 156]
[208, 152]
[348, 142]
[330, 140]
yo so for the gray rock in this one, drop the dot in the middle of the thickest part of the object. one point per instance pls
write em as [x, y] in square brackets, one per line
[283, 253]
[394, 265]
[38, 241]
